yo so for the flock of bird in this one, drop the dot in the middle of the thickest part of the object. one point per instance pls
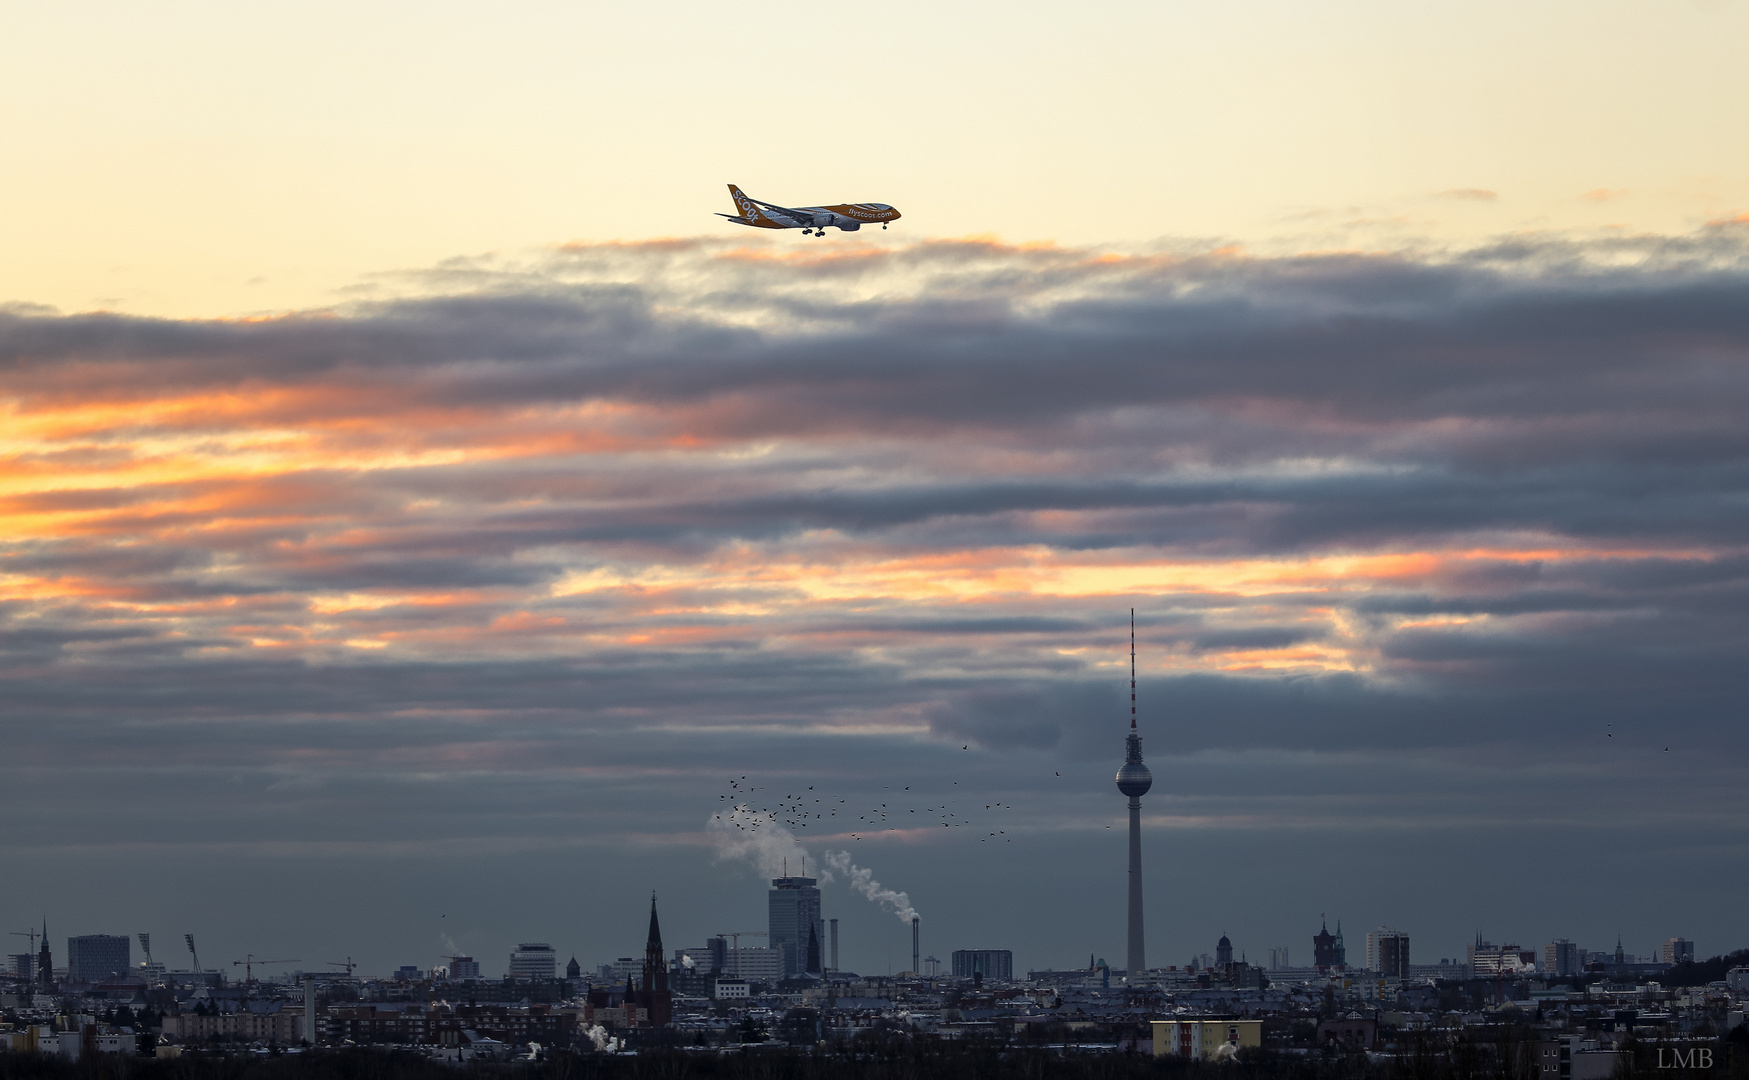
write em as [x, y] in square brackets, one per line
[751, 807]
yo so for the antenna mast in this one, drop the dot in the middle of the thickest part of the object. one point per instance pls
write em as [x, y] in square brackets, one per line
[1132, 669]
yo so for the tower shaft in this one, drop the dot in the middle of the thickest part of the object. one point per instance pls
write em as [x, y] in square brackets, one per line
[1136, 960]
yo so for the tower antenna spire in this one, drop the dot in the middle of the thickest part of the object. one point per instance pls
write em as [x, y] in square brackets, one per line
[1132, 669]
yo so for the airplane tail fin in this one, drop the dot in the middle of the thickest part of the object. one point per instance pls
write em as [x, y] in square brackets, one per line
[749, 209]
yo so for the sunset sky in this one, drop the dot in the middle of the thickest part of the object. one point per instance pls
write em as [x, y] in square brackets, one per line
[417, 507]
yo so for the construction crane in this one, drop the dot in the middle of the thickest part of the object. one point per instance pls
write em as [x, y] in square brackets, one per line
[347, 963]
[250, 962]
[31, 934]
[735, 936]
[192, 954]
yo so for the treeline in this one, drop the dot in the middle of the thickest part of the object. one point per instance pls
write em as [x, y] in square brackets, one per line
[1699, 973]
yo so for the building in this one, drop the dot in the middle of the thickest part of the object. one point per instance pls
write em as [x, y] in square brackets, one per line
[94, 957]
[1387, 952]
[1223, 954]
[1278, 958]
[1206, 1040]
[759, 964]
[1352, 1031]
[990, 963]
[794, 914]
[654, 996]
[1337, 950]
[1562, 957]
[1323, 948]
[1678, 951]
[730, 989]
[463, 967]
[23, 966]
[535, 961]
[45, 962]
[1488, 960]
[619, 970]
[1134, 780]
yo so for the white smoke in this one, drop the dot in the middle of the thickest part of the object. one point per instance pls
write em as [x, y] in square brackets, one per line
[687, 961]
[604, 1043]
[742, 832]
[862, 880]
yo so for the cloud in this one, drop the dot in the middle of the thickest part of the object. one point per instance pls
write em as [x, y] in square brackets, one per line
[1469, 194]
[530, 539]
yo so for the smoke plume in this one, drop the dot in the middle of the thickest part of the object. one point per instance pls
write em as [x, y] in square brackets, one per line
[755, 836]
[862, 880]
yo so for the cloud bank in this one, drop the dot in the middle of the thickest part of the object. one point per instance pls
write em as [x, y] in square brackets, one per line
[537, 532]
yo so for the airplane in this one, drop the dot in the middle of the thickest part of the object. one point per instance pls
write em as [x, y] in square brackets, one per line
[847, 217]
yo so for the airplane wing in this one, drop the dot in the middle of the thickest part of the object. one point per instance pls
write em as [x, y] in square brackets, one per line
[803, 216]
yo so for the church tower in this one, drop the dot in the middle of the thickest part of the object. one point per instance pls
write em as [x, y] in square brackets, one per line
[655, 996]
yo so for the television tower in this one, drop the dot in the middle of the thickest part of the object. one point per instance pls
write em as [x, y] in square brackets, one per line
[1134, 780]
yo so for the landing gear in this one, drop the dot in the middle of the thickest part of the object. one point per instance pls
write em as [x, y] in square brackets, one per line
[807, 232]
[883, 228]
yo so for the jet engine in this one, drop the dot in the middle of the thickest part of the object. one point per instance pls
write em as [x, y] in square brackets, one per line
[823, 220]
[851, 226]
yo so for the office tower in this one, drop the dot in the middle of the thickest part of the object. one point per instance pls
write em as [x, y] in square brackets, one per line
[1679, 951]
[990, 963]
[794, 909]
[464, 967]
[94, 957]
[534, 960]
[1387, 952]
[1562, 957]
[1134, 780]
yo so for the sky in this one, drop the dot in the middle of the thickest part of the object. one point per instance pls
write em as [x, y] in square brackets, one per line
[418, 510]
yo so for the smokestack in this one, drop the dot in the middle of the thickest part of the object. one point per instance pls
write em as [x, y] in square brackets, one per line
[310, 1012]
[916, 964]
[834, 944]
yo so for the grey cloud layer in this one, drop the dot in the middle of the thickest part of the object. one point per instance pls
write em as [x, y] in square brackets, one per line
[919, 403]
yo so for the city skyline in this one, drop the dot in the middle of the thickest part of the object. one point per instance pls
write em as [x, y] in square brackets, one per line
[420, 516]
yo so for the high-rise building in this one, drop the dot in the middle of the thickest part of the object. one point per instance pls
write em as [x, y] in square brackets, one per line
[464, 967]
[1678, 951]
[1278, 958]
[1387, 952]
[1134, 780]
[92, 957]
[990, 963]
[23, 965]
[535, 961]
[1562, 957]
[794, 912]
[1488, 959]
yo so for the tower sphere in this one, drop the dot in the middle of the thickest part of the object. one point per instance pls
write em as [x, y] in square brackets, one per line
[1134, 779]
